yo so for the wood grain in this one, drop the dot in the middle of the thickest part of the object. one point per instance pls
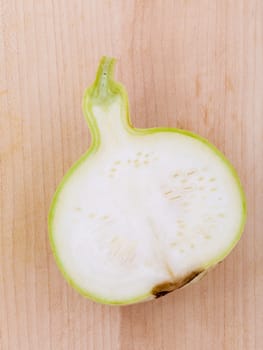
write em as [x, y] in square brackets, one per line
[191, 64]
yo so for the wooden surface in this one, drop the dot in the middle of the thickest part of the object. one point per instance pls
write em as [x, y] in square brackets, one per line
[195, 64]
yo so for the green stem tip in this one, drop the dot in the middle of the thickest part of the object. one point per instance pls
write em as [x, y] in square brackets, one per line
[103, 86]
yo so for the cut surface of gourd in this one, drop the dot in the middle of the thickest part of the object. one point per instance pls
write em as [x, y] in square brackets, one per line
[145, 211]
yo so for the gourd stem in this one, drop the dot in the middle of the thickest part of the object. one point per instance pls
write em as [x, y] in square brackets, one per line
[105, 107]
[103, 86]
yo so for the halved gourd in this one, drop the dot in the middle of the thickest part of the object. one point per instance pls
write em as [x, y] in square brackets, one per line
[144, 211]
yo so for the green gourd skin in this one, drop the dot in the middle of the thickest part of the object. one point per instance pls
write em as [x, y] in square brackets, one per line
[102, 92]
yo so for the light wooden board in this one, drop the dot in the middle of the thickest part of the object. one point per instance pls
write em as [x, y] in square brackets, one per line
[195, 64]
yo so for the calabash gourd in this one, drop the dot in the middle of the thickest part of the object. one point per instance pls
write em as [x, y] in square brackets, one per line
[144, 211]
